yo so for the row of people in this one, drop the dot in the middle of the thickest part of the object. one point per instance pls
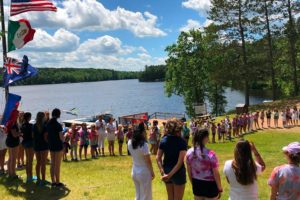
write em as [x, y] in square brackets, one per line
[202, 167]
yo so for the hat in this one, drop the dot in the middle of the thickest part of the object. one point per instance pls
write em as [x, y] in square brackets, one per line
[293, 148]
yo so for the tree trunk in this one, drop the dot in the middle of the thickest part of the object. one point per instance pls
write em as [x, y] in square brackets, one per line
[270, 46]
[292, 41]
[245, 62]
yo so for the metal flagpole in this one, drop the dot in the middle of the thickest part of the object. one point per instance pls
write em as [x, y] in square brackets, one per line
[3, 41]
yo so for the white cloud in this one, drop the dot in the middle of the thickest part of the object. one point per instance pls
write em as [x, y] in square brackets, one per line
[201, 6]
[103, 52]
[193, 24]
[91, 15]
[61, 41]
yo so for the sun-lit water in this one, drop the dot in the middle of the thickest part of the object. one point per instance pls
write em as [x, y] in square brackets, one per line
[119, 97]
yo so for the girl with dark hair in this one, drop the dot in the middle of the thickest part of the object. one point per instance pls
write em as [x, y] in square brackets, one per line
[172, 149]
[27, 143]
[241, 173]
[142, 170]
[154, 137]
[55, 139]
[202, 167]
[284, 180]
[41, 148]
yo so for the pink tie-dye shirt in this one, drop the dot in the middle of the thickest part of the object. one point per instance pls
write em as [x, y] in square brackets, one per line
[287, 179]
[201, 168]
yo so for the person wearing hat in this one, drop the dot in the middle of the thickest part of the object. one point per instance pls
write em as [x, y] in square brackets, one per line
[285, 179]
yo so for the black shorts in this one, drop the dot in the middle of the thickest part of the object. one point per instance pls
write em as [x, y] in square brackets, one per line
[27, 144]
[85, 146]
[179, 178]
[120, 141]
[208, 189]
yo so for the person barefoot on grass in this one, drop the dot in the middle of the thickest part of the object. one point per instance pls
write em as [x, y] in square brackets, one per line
[276, 117]
[241, 172]
[93, 140]
[120, 137]
[284, 180]
[40, 146]
[55, 140]
[111, 135]
[27, 144]
[202, 166]
[170, 160]
[84, 141]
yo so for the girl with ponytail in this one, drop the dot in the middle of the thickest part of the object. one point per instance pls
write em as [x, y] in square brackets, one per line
[203, 168]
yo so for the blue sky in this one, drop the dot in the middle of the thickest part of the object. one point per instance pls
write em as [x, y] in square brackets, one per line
[115, 34]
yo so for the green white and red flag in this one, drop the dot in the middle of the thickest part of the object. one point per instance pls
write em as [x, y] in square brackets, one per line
[19, 33]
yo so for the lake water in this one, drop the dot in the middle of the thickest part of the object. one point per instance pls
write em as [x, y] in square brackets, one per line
[119, 97]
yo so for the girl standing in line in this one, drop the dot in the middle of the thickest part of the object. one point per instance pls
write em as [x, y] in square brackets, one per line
[276, 117]
[27, 144]
[256, 121]
[40, 145]
[153, 140]
[21, 151]
[74, 137]
[120, 136]
[213, 132]
[111, 132]
[262, 118]
[202, 166]
[93, 140]
[84, 140]
[283, 117]
[241, 172]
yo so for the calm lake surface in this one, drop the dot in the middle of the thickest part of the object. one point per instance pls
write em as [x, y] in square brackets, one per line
[119, 97]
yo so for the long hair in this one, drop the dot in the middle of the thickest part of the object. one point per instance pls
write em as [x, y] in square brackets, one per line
[199, 137]
[173, 126]
[243, 165]
[138, 138]
[40, 121]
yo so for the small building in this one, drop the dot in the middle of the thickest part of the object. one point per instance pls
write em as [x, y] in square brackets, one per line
[241, 108]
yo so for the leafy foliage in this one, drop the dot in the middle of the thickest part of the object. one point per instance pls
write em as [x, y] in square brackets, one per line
[153, 73]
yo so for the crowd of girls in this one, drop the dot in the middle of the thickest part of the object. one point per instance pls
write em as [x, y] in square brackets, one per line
[202, 165]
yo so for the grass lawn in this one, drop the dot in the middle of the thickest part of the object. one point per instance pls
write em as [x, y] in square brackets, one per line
[109, 178]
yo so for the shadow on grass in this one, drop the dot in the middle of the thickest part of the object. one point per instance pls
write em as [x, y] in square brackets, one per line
[17, 188]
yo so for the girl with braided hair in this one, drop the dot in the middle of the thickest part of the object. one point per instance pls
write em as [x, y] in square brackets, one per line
[203, 168]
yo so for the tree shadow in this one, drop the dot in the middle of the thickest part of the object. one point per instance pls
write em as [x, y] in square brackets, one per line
[17, 188]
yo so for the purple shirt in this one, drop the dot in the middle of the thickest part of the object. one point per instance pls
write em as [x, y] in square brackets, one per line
[201, 168]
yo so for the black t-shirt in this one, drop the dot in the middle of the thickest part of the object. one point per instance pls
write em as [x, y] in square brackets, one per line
[26, 129]
[12, 141]
[54, 129]
[40, 144]
[171, 146]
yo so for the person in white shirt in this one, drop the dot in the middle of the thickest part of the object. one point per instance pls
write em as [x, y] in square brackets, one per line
[142, 170]
[111, 136]
[241, 172]
[101, 128]
[3, 149]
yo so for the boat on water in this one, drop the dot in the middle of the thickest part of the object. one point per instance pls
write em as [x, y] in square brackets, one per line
[88, 120]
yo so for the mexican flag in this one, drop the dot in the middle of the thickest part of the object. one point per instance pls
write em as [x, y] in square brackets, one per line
[19, 33]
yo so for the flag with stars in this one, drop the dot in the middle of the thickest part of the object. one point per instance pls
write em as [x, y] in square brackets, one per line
[15, 70]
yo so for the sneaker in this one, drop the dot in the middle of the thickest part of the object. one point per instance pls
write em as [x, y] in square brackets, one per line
[60, 185]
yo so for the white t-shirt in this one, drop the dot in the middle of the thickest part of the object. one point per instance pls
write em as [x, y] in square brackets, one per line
[238, 191]
[139, 163]
[102, 128]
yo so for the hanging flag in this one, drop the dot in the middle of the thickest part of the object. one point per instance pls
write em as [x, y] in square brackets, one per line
[15, 70]
[19, 33]
[21, 6]
[11, 105]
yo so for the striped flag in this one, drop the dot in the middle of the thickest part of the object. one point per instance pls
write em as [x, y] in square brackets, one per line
[21, 6]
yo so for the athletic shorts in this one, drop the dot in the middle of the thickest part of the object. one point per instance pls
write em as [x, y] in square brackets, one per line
[179, 178]
[206, 189]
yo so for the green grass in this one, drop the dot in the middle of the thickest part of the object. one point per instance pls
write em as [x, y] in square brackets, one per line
[109, 178]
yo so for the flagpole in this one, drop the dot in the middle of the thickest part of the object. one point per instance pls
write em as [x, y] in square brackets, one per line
[3, 41]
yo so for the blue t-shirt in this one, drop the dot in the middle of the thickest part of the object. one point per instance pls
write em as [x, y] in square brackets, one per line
[171, 145]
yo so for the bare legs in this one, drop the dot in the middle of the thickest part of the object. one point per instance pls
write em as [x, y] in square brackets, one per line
[2, 159]
[29, 159]
[175, 192]
[40, 168]
[111, 148]
[55, 166]
[11, 165]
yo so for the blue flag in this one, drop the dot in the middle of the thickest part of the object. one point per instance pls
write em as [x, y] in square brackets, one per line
[15, 70]
[11, 104]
